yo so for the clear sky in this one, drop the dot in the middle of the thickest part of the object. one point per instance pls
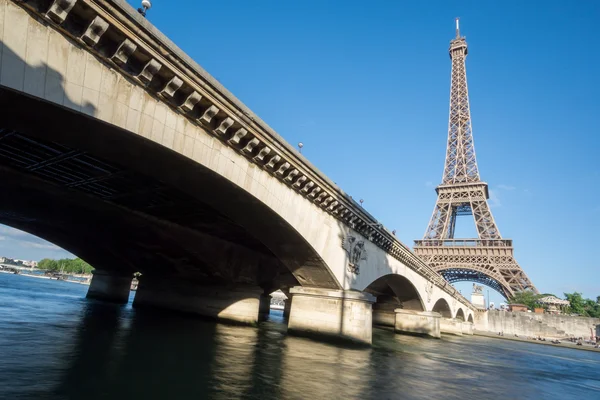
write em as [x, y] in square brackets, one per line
[365, 87]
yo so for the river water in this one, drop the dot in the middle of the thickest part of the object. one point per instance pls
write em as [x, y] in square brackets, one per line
[55, 344]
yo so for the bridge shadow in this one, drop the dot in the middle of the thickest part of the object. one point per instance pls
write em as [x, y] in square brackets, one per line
[124, 354]
[95, 349]
[41, 81]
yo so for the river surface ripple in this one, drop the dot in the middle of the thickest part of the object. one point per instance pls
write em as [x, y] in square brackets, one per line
[55, 344]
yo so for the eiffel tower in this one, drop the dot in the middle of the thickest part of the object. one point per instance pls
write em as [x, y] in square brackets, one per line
[487, 259]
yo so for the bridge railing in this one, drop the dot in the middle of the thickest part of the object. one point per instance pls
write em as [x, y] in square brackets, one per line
[464, 243]
[142, 53]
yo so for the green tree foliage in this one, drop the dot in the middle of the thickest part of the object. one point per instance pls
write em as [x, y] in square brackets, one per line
[583, 307]
[526, 297]
[579, 305]
[67, 265]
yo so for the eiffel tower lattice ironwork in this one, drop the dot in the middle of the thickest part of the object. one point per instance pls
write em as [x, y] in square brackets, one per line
[487, 259]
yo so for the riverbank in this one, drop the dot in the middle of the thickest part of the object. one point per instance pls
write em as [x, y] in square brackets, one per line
[567, 345]
[51, 278]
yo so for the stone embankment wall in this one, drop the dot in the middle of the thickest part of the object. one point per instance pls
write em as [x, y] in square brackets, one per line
[531, 324]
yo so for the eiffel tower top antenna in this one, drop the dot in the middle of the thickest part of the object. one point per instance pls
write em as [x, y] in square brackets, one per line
[457, 28]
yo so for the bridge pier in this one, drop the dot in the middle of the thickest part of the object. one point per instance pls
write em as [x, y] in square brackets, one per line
[451, 326]
[264, 306]
[287, 304]
[110, 286]
[419, 323]
[287, 307]
[240, 304]
[384, 313]
[467, 328]
[331, 314]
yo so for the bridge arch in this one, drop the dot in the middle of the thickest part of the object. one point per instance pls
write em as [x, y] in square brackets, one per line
[460, 314]
[159, 192]
[470, 318]
[441, 306]
[393, 291]
[396, 289]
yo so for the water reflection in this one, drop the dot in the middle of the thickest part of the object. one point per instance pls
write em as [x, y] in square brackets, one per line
[56, 345]
[93, 357]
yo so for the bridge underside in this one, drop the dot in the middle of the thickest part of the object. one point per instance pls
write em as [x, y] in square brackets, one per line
[126, 204]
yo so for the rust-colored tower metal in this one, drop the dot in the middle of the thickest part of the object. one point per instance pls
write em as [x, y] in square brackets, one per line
[487, 259]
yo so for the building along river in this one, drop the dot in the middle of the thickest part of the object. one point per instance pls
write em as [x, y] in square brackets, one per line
[55, 344]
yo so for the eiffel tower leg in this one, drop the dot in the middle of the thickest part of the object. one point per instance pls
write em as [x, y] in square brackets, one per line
[484, 221]
[438, 226]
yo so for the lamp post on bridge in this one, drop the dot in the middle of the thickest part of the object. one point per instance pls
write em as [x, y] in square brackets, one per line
[146, 5]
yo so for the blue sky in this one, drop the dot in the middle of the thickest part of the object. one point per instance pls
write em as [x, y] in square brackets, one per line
[365, 87]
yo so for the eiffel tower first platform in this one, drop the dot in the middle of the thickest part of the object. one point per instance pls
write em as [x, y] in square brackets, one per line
[487, 259]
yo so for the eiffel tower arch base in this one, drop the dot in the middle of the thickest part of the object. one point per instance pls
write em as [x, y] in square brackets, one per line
[489, 262]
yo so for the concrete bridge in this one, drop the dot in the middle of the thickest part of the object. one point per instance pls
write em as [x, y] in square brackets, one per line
[119, 148]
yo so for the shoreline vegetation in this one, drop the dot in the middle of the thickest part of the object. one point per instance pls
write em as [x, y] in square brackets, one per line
[66, 265]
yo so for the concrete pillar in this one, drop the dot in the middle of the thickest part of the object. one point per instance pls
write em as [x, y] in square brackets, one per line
[451, 326]
[239, 304]
[384, 313]
[287, 306]
[481, 321]
[264, 307]
[331, 314]
[467, 328]
[420, 323]
[110, 286]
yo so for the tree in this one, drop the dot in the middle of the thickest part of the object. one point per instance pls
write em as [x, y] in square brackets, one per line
[48, 264]
[577, 303]
[526, 297]
[67, 265]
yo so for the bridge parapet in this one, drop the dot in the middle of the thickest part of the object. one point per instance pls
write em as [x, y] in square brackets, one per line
[117, 35]
[464, 243]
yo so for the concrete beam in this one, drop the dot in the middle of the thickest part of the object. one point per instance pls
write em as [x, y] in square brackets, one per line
[331, 314]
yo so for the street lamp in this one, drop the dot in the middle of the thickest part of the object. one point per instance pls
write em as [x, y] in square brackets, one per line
[361, 202]
[146, 5]
[300, 146]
